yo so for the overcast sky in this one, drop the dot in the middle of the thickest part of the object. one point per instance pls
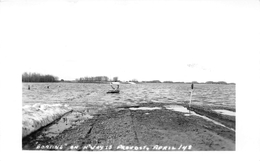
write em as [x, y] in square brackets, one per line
[143, 40]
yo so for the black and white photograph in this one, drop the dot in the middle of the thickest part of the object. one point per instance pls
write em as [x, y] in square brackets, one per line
[133, 75]
[130, 81]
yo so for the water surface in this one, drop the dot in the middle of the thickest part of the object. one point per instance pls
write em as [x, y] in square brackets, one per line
[94, 95]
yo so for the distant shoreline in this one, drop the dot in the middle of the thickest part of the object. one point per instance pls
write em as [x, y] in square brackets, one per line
[134, 82]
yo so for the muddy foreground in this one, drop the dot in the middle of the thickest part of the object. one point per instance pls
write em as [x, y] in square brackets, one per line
[128, 129]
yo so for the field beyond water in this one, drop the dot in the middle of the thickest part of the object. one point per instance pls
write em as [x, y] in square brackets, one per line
[151, 115]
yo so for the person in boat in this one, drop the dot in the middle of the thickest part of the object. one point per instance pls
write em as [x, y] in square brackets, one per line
[115, 89]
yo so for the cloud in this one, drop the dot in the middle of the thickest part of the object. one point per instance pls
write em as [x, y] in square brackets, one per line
[198, 66]
[192, 65]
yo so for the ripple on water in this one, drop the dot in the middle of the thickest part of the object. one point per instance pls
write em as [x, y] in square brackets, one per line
[226, 112]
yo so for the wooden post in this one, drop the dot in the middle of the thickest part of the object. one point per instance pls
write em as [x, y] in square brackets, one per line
[190, 97]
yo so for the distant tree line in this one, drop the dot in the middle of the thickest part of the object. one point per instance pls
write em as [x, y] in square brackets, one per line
[96, 79]
[219, 82]
[167, 81]
[36, 77]
[208, 82]
[173, 82]
[152, 81]
[134, 80]
[194, 82]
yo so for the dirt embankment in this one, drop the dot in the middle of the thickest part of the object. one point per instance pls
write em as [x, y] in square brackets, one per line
[125, 129]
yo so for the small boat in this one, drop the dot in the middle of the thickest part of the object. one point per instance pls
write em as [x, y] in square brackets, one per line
[113, 91]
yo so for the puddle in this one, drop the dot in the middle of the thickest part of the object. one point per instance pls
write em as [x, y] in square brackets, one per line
[55, 129]
[177, 108]
[67, 121]
[39, 115]
[187, 113]
[226, 112]
[146, 108]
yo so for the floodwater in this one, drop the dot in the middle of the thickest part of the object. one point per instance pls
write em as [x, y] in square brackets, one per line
[177, 108]
[226, 112]
[69, 120]
[86, 99]
[94, 95]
